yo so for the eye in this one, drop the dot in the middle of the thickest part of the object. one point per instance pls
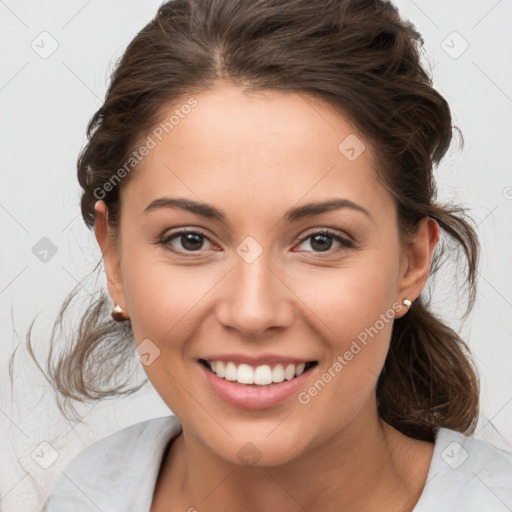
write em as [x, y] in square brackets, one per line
[188, 241]
[321, 241]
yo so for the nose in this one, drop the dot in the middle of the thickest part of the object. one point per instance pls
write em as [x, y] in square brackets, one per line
[254, 298]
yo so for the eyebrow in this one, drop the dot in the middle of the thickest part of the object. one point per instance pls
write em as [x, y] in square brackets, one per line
[292, 215]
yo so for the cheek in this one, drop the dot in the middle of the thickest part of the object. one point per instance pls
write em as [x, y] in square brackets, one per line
[352, 298]
[356, 341]
[163, 298]
[164, 302]
[354, 313]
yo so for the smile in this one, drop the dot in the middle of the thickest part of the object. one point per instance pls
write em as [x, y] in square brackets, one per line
[253, 387]
[261, 375]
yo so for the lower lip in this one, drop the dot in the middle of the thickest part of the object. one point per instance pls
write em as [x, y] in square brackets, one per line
[251, 396]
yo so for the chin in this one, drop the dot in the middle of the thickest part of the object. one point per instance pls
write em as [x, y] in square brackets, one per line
[260, 450]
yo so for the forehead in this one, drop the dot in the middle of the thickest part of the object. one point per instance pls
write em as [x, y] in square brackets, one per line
[271, 147]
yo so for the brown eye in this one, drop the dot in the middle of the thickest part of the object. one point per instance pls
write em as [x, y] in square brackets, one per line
[183, 242]
[322, 241]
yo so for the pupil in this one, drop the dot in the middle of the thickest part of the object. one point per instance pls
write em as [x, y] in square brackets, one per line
[189, 239]
[192, 241]
[323, 239]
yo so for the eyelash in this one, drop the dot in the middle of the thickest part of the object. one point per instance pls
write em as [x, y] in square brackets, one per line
[345, 244]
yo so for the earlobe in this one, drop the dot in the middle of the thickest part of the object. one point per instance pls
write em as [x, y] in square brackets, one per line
[418, 253]
[110, 253]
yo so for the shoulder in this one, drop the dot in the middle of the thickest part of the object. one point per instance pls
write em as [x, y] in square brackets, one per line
[467, 474]
[116, 472]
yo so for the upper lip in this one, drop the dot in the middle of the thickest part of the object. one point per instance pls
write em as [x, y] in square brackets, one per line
[257, 360]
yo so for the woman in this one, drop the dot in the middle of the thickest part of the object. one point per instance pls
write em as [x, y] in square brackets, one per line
[259, 180]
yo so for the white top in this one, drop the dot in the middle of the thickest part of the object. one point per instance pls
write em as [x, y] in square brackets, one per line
[118, 473]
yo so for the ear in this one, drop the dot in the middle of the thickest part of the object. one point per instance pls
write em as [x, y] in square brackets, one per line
[110, 254]
[417, 258]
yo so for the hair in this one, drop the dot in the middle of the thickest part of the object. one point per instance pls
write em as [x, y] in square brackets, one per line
[362, 58]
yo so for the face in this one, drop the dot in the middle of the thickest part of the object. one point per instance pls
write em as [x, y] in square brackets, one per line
[256, 284]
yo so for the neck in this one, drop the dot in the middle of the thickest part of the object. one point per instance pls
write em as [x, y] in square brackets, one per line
[364, 466]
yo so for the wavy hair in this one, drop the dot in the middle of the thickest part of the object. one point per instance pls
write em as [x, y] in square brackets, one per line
[362, 58]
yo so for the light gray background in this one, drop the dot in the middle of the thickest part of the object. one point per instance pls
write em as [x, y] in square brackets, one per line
[45, 104]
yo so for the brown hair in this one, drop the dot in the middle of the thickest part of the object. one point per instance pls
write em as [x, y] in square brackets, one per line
[361, 57]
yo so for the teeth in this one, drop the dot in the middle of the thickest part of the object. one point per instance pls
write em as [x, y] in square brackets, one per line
[231, 372]
[289, 372]
[278, 373]
[245, 374]
[218, 368]
[261, 375]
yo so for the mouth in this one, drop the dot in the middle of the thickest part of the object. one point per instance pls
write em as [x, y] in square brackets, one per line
[266, 375]
[258, 387]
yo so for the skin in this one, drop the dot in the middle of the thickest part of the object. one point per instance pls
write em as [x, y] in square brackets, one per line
[254, 157]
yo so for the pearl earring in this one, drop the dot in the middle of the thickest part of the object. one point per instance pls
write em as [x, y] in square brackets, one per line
[118, 313]
[407, 303]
